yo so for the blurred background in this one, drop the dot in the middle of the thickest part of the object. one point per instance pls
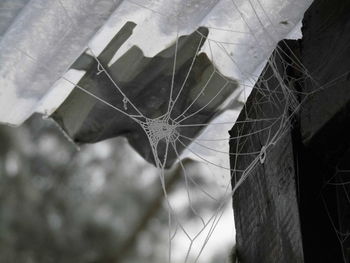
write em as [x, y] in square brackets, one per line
[101, 204]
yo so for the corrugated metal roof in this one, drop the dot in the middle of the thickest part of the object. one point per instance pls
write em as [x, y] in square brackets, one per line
[41, 39]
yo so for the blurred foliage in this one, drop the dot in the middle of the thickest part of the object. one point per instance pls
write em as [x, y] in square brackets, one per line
[102, 204]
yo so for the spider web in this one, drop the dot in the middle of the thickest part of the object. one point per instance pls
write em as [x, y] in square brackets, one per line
[167, 131]
[341, 183]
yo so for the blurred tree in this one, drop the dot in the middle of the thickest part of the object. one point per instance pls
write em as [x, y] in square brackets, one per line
[58, 204]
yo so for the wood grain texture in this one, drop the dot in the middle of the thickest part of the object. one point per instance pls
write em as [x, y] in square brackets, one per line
[272, 224]
[265, 205]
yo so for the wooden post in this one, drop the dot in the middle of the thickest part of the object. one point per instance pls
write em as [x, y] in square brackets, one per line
[294, 206]
[265, 205]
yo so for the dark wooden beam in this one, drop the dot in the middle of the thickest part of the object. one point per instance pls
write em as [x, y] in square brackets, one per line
[265, 205]
[313, 155]
[324, 128]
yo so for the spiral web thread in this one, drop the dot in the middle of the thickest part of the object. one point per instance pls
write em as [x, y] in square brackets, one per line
[165, 129]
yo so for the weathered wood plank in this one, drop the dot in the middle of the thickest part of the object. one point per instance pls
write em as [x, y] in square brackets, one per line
[310, 154]
[324, 129]
[265, 205]
[325, 53]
